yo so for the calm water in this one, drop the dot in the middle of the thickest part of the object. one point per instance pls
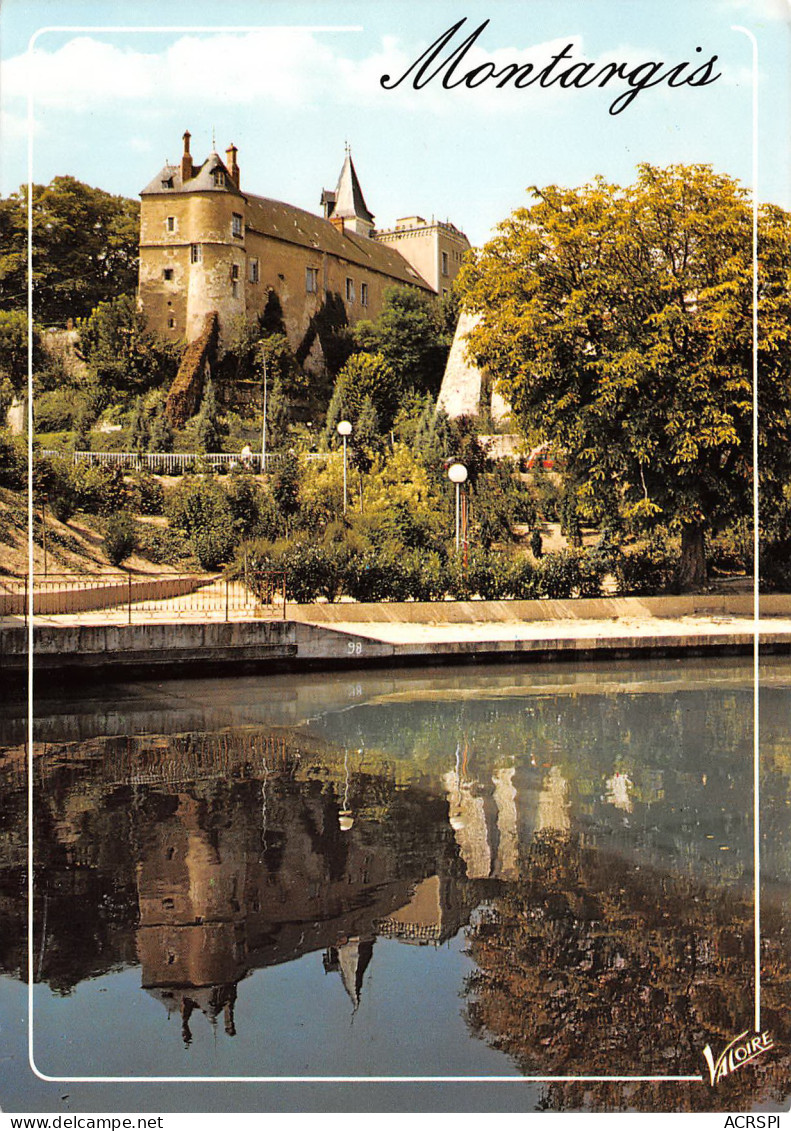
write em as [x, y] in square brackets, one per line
[480, 872]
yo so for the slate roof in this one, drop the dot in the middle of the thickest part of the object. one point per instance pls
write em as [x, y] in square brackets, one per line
[202, 181]
[349, 199]
[295, 225]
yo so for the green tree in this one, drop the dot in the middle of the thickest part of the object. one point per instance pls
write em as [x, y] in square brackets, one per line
[207, 424]
[413, 334]
[364, 376]
[285, 486]
[122, 355]
[13, 347]
[84, 249]
[619, 322]
[160, 434]
[200, 509]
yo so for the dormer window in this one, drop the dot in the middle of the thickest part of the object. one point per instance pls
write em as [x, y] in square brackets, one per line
[167, 183]
[219, 178]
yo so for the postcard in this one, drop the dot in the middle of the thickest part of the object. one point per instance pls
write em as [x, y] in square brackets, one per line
[395, 532]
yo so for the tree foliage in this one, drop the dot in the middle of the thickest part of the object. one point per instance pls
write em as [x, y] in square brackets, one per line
[84, 249]
[413, 334]
[620, 322]
[121, 354]
[364, 377]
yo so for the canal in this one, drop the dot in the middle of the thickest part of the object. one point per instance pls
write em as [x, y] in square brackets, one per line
[488, 872]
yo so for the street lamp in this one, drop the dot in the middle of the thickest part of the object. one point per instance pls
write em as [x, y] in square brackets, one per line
[457, 473]
[344, 429]
[263, 421]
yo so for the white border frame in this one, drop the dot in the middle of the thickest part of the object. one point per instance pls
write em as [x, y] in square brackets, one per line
[215, 29]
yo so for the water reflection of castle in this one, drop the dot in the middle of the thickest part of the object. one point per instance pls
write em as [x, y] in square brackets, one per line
[218, 898]
[270, 850]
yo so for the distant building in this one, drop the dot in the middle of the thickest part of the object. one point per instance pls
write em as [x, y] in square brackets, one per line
[434, 249]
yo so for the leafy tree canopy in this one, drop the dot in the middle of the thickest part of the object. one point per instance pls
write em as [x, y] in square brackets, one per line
[364, 376]
[620, 322]
[84, 249]
[13, 347]
[121, 353]
[413, 334]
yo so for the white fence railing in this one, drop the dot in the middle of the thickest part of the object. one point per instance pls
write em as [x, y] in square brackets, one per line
[176, 463]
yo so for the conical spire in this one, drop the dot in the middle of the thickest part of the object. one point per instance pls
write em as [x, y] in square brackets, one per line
[349, 204]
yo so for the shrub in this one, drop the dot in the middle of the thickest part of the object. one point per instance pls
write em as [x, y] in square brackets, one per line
[59, 410]
[486, 575]
[558, 575]
[148, 494]
[729, 550]
[425, 575]
[201, 510]
[523, 580]
[13, 461]
[644, 572]
[99, 489]
[53, 486]
[592, 568]
[312, 569]
[373, 576]
[775, 565]
[166, 547]
[120, 537]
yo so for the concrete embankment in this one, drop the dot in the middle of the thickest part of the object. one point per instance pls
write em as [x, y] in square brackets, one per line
[360, 635]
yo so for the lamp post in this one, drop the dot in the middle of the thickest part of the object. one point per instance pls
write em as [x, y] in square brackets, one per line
[344, 429]
[263, 420]
[457, 473]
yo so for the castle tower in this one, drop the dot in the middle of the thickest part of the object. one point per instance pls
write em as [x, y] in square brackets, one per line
[346, 207]
[192, 245]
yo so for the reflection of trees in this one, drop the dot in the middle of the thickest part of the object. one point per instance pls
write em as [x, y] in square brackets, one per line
[594, 966]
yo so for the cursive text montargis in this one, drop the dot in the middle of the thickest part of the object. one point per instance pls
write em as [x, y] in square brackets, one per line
[560, 69]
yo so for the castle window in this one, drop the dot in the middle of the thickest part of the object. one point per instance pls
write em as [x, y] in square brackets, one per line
[444, 263]
[171, 223]
[196, 253]
[171, 323]
[235, 271]
[312, 280]
[363, 294]
[254, 271]
[350, 290]
[236, 225]
[167, 274]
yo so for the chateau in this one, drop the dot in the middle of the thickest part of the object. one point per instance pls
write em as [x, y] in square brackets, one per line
[212, 255]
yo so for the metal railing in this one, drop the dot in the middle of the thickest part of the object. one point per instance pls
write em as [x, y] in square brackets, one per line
[176, 463]
[126, 596]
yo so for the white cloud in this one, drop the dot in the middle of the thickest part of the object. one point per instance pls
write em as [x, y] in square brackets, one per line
[759, 10]
[291, 68]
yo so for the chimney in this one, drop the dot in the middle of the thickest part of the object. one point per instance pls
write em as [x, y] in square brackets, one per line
[186, 160]
[233, 168]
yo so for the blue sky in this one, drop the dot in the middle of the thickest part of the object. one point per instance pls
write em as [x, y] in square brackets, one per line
[111, 106]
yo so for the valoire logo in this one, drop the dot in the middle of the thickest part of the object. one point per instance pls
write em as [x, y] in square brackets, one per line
[738, 1053]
